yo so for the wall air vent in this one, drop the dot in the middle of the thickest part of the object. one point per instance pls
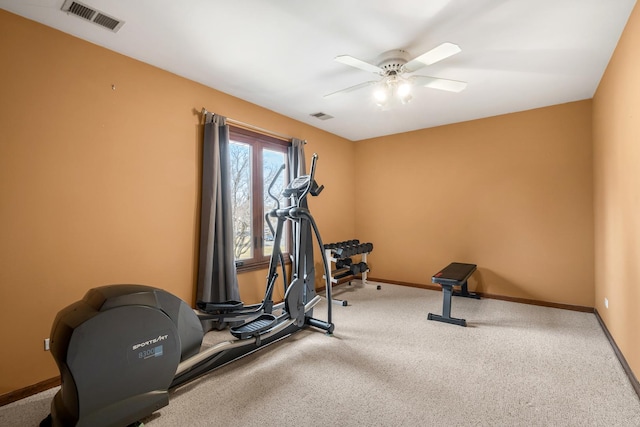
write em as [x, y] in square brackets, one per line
[92, 15]
[321, 116]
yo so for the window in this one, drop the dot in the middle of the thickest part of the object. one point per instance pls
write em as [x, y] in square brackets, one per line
[255, 160]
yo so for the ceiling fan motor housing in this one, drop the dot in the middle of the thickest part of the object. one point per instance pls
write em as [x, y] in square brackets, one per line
[392, 61]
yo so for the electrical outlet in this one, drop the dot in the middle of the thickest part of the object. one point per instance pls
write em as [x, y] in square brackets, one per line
[46, 344]
[606, 303]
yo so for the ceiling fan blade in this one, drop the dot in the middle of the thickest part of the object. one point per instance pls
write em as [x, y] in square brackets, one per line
[438, 83]
[350, 89]
[358, 63]
[436, 54]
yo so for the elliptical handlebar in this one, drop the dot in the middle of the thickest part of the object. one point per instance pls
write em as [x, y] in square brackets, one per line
[303, 185]
[312, 173]
[273, 181]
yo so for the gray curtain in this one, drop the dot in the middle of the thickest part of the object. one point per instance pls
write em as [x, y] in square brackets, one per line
[296, 168]
[217, 278]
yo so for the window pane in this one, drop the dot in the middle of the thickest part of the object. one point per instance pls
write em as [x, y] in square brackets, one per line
[271, 163]
[255, 159]
[240, 155]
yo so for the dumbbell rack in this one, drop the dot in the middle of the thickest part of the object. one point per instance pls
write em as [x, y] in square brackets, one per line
[335, 255]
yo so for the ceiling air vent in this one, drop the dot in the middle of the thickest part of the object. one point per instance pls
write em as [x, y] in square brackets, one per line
[321, 116]
[92, 15]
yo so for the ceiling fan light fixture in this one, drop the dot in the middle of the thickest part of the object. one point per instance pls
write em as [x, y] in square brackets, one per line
[381, 94]
[404, 90]
[392, 91]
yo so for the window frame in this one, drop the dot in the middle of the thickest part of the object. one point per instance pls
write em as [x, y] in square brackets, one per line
[259, 142]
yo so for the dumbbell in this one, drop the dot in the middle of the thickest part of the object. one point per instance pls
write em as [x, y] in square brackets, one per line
[341, 245]
[353, 270]
[365, 248]
[349, 243]
[360, 267]
[345, 262]
[354, 250]
[338, 252]
[358, 249]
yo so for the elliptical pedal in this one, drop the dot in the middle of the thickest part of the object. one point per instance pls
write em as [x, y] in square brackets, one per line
[254, 327]
[219, 307]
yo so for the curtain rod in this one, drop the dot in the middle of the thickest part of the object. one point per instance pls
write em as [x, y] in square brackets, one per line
[247, 126]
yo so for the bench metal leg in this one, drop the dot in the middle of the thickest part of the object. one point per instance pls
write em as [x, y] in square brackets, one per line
[447, 291]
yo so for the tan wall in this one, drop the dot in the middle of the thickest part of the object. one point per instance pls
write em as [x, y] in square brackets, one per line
[101, 185]
[512, 194]
[616, 134]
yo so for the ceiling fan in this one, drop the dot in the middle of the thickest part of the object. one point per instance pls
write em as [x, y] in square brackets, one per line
[394, 65]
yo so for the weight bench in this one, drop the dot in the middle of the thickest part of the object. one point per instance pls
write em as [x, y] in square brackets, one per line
[455, 274]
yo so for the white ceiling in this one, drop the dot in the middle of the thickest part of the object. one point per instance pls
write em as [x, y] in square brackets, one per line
[516, 54]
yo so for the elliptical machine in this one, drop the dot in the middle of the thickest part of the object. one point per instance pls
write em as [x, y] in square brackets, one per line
[260, 317]
[123, 347]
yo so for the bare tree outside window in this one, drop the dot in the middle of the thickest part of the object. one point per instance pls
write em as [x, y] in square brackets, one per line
[272, 161]
[255, 159]
[240, 156]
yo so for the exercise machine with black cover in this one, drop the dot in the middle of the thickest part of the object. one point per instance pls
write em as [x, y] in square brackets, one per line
[122, 348]
[455, 274]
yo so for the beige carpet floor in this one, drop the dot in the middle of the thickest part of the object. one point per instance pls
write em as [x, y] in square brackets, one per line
[387, 365]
